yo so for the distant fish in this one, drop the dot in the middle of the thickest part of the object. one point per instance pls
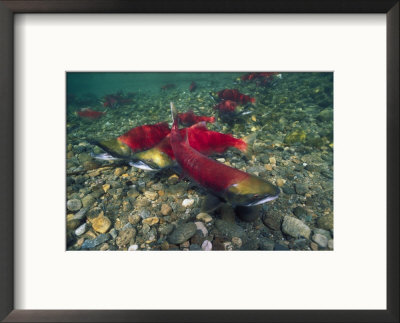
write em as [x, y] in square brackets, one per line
[226, 106]
[235, 95]
[260, 78]
[137, 139]
[192, 86]
[189, 118]
[90, 114]
[117, 99]
[230, 184]
[168, 86]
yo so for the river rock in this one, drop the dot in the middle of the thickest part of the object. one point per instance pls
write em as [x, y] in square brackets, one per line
[90, 244]
[88, 200]
[301, 189]
[151, 195]
[206, 245]
[80, 214]
[200, 226]
[187, 202]
[101, 224]
[74, 205]
[205, 217]
[166, 209]
[182, 233]
[295, 227]
[228, 229]
[326, 222]
[125, 236]
[151, 221]
[320, 239]
[81, 230]
[273, 220]
[266, 244]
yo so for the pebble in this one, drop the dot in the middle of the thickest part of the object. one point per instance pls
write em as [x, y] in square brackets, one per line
[200, 226]
[206, 218]
[74, 205]
[206, 245]
[272, 160]
[237, 241]
[194, 247]
[81, 230]
[330, 244]
[280, 246]
[229, 229]
[80, 214]
[113, 233]
[182, 233]
[273, 220]
[320, 239]
[295, 227]
[88, 200]
[134, 219]
[125, 236]
[166, 229]
[101, 224]
[106, 187]
[118, 171]
[151, 221]
[221, 160]
[73, 224]
[314, 246]
[301, 213]
[166, 209]
[157, 186]
[267, 244]
[326, 222]
[151, 195]
[90, 244]
[187, 202]
[133, 247]
[268, 167]
[164, 245]
[300, 188]
[280, 182]
[144, 214]
[323, 232]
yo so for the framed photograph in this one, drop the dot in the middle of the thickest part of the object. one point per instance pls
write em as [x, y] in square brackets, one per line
[202, 162]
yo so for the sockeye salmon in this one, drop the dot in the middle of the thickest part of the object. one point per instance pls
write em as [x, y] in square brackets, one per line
[233, 185]
[200, 138]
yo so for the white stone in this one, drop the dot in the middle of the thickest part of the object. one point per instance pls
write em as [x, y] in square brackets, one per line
[200, 226]
[133, 247]
[187, 202]
[81, 230]
[320, 239]
[206, 245]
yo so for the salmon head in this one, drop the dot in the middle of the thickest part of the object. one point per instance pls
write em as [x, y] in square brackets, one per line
[251, 191]
[115, 147]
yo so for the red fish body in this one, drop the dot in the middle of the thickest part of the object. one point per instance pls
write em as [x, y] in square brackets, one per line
[236, 96]
[145, 137]
[235, 186]
[189, 118]
[261, 78]
[226, 106]
[90, 114]
[192, 86]
[115, 100]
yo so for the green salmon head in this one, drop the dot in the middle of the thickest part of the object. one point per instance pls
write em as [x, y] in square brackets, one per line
[251, 191]
[154, 158]
[115, 148]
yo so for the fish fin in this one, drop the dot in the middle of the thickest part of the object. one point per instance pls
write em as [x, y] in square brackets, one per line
[249, 140]
[174, 114]
[186, 139]
[210, 203]
[202, 125]
[141, 165]
[104, 156]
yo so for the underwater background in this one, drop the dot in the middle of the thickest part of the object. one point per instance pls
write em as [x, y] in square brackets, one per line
[114, 206]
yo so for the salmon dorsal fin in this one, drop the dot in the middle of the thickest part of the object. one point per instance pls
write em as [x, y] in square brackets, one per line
[174, 115]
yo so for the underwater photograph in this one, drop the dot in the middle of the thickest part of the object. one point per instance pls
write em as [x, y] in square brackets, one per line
[199, 161]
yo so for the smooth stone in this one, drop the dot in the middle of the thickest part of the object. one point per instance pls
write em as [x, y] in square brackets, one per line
[295, 227]
[133, 247]
[229, 229]
[80, 214]
[144, 214]
[166, 209]
[101, 224]
[267, 245]
[273, 220]
[187, 202]
[325, 233]
[74, 205]
[206, 245]
[88, 201]
[325, 222]
[301, 189]
[281, 247]
[330, 244]
[166, 229]
[113, 233]
[81, 230]
[90, 244]
[320, 239]
[151, 195]
[205, 217]
[194, 247]
[280, 182]
[182, 233]
[118, 172]
[236, 241]
[200, 226]
[73, 224]
[134, 219]
[125, 236]
[151, 221]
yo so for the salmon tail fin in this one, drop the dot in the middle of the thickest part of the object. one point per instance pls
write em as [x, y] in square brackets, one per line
[174, 115]
[249, 140]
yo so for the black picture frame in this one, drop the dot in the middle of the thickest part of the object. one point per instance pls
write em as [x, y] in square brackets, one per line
[7, 11]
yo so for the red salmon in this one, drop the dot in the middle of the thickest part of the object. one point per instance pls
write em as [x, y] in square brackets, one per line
[90, 114]
[189, 118]
[233, 185]
[236, 96]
